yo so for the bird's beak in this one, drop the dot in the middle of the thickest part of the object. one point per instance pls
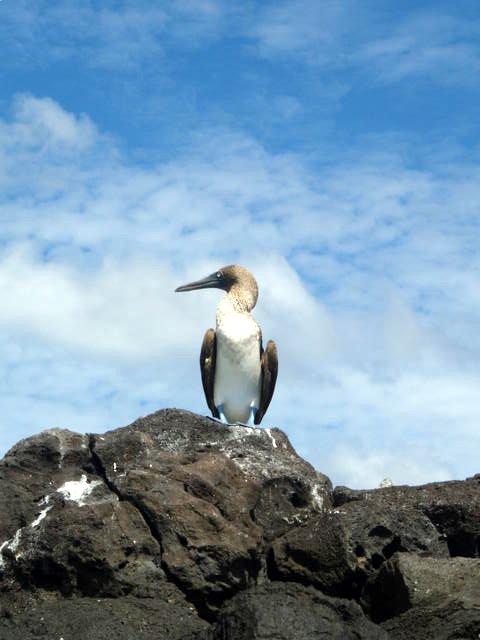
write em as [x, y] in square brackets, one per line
[212, 281]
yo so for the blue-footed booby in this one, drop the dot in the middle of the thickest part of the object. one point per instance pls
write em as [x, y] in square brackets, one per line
[238, 375]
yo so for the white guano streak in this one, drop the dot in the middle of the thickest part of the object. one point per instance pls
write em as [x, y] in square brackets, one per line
[78, 490]
[274, 442]
[13, 543]
[317, 498]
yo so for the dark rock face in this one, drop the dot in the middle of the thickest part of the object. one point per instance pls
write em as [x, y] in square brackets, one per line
[126, 618]
[285, 610]
[178, 527]
[426, 597]
[340, 548]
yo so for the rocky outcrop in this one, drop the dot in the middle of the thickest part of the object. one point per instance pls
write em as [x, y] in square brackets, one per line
[178, 527]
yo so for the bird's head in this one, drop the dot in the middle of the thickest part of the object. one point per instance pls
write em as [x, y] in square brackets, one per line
[237, 281]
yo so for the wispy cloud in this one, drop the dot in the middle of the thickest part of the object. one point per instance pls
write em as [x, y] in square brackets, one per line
[309, 29]
[36, 32]
[432, 45]
[380, 45]
[109, 35]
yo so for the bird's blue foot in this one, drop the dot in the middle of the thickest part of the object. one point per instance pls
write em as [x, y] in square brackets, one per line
[251, 417]
[221, 414]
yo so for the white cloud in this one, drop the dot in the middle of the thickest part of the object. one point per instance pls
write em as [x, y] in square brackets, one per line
[369, 283]
[41, 124]
[122, 310]
[412, 427]
[369, 469]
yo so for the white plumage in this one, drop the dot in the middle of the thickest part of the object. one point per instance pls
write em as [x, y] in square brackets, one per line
[238, 370]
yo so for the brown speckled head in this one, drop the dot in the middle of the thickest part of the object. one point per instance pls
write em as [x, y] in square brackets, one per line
[237, 281]
[240, 285]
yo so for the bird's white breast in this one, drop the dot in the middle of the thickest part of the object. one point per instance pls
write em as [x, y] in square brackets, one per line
[237, 370]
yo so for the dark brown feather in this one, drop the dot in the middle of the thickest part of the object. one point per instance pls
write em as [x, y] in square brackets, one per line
[208, 356]
[269, 361]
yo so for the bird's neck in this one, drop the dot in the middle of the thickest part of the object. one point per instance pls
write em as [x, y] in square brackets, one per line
[232, 302]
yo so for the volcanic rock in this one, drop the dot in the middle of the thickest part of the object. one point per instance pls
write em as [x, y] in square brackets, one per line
[285, 610]
[179, 527]
[426, 597]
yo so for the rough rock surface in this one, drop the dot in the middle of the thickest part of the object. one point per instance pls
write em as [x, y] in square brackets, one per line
[446, 592]
[286, 610]
[178, 527]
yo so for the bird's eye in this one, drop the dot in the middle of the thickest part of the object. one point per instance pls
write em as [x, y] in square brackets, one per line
[219, 274]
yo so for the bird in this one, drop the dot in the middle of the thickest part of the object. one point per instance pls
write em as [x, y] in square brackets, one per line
[238, 374]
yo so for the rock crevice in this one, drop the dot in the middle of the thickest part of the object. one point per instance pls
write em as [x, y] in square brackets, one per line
[99, 470]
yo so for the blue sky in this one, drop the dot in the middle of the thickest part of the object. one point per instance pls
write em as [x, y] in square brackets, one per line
[331, 147]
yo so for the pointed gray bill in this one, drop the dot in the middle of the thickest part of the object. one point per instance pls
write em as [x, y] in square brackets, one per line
[214, 280]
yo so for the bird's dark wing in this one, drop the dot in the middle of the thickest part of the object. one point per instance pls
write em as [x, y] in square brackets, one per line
[208, 356]
[269, 361]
